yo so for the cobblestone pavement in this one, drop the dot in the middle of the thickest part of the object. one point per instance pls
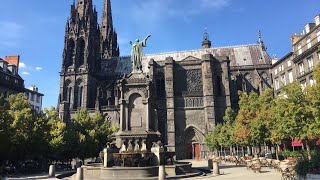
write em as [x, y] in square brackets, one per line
[230, 171]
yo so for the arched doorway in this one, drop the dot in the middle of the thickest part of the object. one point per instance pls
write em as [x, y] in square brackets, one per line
[193, 139]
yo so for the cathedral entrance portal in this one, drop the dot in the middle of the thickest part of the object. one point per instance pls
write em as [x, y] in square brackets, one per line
[193, 138]
[193, 151]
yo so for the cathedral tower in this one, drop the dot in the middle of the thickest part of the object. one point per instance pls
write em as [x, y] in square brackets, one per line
[81, 58]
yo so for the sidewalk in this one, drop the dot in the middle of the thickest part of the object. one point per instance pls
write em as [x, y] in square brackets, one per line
[38, 176]
[230, 171]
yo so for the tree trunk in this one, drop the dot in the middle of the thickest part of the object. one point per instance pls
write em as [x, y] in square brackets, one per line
[277, 155]
[302, 146]
[242, 148]
[253, 148]
[260, 151]
[308, 150]
[237, 150]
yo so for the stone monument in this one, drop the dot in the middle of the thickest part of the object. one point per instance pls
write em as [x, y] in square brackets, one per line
[138, 122]
[137, 152]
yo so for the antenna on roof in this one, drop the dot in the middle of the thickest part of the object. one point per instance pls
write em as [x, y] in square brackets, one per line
[206, 43]
[206, 35]
[260, 41]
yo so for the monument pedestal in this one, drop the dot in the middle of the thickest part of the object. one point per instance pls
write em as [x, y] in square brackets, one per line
[138, 122]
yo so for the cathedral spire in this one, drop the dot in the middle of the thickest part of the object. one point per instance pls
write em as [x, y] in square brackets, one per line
[107, 23]
[83, 7]
[109, 42]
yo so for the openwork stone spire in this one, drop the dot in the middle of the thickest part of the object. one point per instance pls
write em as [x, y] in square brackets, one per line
[109, 42]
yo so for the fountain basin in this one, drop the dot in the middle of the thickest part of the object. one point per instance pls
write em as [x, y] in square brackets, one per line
[97, 171]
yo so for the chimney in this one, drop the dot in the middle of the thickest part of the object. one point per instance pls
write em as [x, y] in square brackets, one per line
[317, 20]
[309, 27]
[13, 59]
[33, 88]
[274, 59]
[295, 37]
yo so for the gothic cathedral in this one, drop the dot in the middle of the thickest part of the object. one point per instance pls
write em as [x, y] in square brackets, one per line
[191, 89]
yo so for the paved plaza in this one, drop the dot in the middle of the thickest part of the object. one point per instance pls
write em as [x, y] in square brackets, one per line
[228, 171]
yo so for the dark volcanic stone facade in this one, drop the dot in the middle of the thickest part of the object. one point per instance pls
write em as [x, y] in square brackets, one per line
[191, 89]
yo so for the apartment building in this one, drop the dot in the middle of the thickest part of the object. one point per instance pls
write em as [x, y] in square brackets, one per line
[299, 64]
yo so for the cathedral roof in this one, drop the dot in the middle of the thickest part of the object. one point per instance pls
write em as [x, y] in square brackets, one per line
[241, 55]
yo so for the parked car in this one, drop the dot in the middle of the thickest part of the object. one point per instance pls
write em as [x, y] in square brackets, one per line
[29, 167]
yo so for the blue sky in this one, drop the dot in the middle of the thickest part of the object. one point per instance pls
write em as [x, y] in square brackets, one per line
[34, 29]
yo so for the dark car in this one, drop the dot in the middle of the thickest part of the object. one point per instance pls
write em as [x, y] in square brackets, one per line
[9, 169]
[29, 167]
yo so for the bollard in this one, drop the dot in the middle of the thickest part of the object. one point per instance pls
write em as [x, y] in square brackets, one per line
[162, 172]
[52, 171]
[215, 166]
[105, 157]
[79, 174]
[78, 164]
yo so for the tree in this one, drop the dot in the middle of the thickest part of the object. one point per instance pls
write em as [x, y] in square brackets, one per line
[4, 130]
[21, 125]
[57, 133]
[260, 125]
[92, 133]
[248, 108]
[212, 139]
[228, 129]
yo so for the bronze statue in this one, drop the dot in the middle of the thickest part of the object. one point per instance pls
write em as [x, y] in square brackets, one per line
[137, 53]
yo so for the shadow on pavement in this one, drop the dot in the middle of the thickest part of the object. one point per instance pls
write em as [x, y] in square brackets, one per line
[264, 171]
[230, 166]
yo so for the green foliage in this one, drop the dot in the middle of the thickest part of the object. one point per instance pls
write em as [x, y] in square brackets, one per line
[25, 134]
[92, 133]
[303, 168]
[294, 154]
[4, 129]
[212, 139]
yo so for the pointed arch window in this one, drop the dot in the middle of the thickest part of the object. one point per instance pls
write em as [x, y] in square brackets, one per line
[248, 83]
[69, 94]
[81, 52]
[160, 86]
[70, 53]
[79, 94]
[66, 91]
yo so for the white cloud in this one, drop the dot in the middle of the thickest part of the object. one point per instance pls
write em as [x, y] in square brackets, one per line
[22, 65]
[214, 3]
[151, 12]
[25, 73]
[39, 68]
[10, 33]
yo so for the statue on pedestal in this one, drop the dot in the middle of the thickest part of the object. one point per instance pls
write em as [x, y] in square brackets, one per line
[137, 53]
